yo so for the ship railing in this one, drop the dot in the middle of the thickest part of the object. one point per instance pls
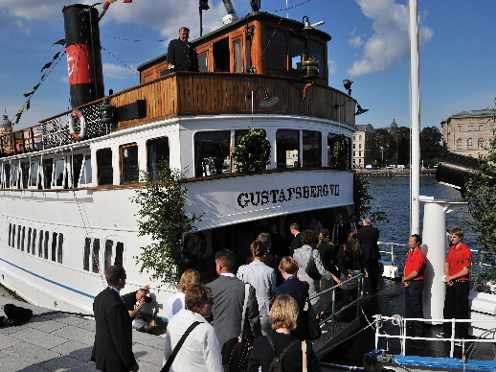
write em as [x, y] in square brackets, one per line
[391, 251]
[353, 283]
[402, 323]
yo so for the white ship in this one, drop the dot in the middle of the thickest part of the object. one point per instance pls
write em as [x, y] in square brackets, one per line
[66, 182]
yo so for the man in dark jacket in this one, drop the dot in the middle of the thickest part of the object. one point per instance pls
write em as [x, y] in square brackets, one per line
[368, 236]
[296, 243]
[112, 350]
[181, 54]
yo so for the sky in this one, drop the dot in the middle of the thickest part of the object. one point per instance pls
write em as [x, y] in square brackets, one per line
[369, 45]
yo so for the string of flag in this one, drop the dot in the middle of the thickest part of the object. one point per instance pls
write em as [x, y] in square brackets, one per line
[293, 6]
[120, 61]
[107, 3]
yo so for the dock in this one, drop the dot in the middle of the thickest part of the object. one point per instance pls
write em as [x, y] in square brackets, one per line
[57, 341]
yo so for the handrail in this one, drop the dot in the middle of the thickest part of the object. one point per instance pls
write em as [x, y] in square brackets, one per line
[336, 286]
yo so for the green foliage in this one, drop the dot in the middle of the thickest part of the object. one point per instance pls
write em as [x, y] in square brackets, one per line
[252, 153]
[339, 153]
[361, 195]
[431, 147]
[162, 218]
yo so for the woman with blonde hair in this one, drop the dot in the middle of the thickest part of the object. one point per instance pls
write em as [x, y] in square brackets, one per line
[281, 349]
[189, 279]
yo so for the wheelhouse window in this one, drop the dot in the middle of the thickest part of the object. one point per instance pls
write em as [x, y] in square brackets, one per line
[221, 55]
[58, 172]
[34, 176]
[119, 252]
[95, 267]
[129, 163]
[238, 55]
[288, 148]
[312, 148]
[316, 51]
[212, 153]
[47, 173]
[25, 174]
[296, 51]
[203, 62]
[158, 156]
[104, 166]
[275, 45]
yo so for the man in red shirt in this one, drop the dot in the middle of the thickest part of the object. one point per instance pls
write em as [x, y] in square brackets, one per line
[413, 281]
[457, 274]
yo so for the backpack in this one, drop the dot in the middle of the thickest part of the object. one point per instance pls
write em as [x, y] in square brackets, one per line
[276, 364]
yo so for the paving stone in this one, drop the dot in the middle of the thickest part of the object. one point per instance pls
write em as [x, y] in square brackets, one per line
[148, 367]
[63, 363]
[76, 334]
[7, 341]
[149, 340]
[47, 325]
[10, 330]
[29, 352]
[84, 354]
[148, 354]
[36, 337]
[68, 347]
[12, 363]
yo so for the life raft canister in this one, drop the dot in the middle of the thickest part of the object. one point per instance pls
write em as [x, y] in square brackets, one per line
[77, 115]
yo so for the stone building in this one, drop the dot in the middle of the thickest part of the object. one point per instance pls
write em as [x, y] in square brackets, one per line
[5, 125]
[469, 132]
[359, 145]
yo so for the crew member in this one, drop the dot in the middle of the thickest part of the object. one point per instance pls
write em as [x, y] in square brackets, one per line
[413, 281]
[457, 274]
[181, 54]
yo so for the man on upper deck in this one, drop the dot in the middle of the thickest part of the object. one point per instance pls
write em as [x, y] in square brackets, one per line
[181, 54]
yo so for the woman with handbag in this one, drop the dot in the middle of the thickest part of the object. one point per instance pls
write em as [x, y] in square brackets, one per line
[281, 351]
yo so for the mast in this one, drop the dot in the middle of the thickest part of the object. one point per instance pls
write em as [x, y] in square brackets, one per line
[415, 121]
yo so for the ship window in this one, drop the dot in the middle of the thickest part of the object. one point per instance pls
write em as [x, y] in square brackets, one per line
[33, 243]
[85, 178]
[86, 256]
[45, 245]
[96, 256]
[108, 254]
[47, 173]
[104, 166]
[34, 175]
[58, 176]
[238, 55]
[275, 46]
[77, 164]
[158, 156]
[60, 248]
[54, 246]
[6, 175]
[221, 55]
[23, 238]
[10, 234]
[316, 51]
[312, 148]
[28, 247]
[338, 152]
[129, 163]
[25, 174]
[288, 148]
[19, 236]
[119, 250]
[203, 62]
[40, 244]
[212, 153]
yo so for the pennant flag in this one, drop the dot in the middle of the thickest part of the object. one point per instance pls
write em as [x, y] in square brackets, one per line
[107, 3]
[55, 56]
[31, 92]
[46, 66]
[60, 42]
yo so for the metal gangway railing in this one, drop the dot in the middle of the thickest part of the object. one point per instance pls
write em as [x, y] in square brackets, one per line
[401, 323]
[347, 284]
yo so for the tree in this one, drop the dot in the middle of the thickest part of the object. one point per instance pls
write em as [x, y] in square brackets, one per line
[431, 148]
[252, 154]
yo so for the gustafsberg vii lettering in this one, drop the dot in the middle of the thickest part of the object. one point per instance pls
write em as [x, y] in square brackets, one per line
[256, 198]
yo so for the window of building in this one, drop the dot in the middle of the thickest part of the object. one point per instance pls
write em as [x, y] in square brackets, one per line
[119, 252]
[25, 174]
[158, 156]
[104, 166]
[238, 55]
[60, 248]
[58, 172]
[129, 163]
[469, 143]
[28, 246]
[19, 230]
[481, 143]
[40, 244]
[212, 153]
[45, 245]
[354, 145]
[481, 128]
[54, 246]
[34, 176]
[33, 243]
[312, 149]
[107, 257]
[203, 62]
[95, 267]
[6, 175]
[47, 173]
[288, 148]
[86, 254]
[459, 145]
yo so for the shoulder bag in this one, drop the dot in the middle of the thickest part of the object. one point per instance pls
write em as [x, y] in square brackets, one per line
[276, 364]
[170, 359]
[311, 268]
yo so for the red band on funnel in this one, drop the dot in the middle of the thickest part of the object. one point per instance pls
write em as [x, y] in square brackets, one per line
[78, 64]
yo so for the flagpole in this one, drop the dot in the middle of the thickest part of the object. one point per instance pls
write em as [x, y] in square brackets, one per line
[415, 120]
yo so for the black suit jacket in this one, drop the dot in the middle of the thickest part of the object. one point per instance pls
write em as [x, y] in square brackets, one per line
[182, 55]
[295, 244]
[368, 237]
[295, 288]
[113, 338]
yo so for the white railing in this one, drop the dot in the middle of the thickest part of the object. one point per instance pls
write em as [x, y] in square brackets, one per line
[401, 323]
[391, 250]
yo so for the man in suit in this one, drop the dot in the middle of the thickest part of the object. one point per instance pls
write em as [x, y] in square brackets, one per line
[228, 299]
[368, 236]
[181, 54]
[113, 338]
[296, 243]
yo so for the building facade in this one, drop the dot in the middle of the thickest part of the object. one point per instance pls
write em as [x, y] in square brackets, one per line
[469, 132]
[359, 145]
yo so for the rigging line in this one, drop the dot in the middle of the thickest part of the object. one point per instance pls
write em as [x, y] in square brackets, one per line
[117, 59]
[294, 6]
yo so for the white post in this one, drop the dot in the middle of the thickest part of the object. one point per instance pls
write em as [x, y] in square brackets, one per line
[415, 121]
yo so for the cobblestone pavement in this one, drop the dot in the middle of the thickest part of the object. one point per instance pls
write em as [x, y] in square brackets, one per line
[55, 341]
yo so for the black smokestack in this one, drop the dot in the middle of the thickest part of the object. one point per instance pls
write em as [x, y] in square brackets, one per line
[84, 59]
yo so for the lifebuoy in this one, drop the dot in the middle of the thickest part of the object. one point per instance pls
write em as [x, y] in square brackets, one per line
[77, 115]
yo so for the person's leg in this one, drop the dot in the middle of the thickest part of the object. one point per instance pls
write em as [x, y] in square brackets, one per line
[416, 304]
[449, 309]
[462, 308]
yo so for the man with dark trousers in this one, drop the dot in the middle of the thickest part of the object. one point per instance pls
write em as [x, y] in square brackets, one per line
[368, 236]
[457, 275]
[296, 243]
[112, 350]
[413, 281]
[181, 54]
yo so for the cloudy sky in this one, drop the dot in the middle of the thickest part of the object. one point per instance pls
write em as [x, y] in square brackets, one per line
[370, 46]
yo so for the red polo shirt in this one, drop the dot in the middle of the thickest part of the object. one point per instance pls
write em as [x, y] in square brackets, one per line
[459, 257]
[415, 261]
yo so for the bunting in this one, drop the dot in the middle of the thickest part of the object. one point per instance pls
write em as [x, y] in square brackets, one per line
[107, 4]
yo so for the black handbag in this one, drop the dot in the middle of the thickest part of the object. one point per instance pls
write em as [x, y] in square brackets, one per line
[309, 324]
[311, 269]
